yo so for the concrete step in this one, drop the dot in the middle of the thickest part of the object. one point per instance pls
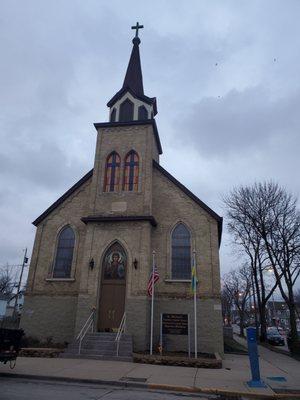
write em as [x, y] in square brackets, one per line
[101, 345]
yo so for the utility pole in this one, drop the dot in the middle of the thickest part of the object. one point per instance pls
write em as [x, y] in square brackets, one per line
[25, 261]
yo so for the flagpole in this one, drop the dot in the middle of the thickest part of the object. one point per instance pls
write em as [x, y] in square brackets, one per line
[195, 303]
[152, 303]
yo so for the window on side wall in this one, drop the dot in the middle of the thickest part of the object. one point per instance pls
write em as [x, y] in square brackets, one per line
[64, 253]
[181, 252]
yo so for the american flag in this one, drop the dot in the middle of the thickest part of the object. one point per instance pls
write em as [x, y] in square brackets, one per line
[154, 277]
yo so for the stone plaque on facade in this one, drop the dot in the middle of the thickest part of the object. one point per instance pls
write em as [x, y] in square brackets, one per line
[175, 324]
[119, 206]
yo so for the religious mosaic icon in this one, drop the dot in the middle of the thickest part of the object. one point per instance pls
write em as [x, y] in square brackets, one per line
[115, 262]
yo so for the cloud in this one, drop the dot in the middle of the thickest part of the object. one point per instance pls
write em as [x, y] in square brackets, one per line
[227, 111]
[246, 122]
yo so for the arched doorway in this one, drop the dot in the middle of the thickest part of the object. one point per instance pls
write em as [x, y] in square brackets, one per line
[113, 288]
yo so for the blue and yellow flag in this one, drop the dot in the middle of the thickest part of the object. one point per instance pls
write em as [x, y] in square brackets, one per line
[194, 278]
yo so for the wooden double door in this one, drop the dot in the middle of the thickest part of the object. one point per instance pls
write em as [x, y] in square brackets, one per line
[113, 289]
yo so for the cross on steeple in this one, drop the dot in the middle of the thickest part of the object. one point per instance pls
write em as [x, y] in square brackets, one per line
[137, 27]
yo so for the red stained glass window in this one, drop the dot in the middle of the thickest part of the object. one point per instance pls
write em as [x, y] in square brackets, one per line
[131, 172]
[112, 173]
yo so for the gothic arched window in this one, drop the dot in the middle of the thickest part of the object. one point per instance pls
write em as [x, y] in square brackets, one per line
[131, 172]
[143, 113]
[126, 111]
[64, 253]
[181, 252]
[112, 172]
[113, 115]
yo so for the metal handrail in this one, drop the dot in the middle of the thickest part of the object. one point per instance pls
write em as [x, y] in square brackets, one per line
[84, 330]
[121, 329]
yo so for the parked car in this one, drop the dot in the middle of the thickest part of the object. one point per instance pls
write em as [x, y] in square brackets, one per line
[274, 337]
[289, 338]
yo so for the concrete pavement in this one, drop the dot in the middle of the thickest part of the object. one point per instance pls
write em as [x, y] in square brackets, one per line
[231, 378]
[47, 390]
[276, 365]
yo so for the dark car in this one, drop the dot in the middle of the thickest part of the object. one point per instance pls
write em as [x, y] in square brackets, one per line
[289, 338]
[274, 337]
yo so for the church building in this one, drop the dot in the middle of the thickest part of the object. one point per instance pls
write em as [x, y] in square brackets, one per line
[93, 248]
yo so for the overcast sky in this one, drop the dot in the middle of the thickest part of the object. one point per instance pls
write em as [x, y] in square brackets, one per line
[226, 78]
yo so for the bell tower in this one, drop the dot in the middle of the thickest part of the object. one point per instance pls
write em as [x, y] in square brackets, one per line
[126, 148]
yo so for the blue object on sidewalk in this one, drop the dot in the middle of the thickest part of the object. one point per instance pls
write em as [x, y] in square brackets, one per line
[253, 358]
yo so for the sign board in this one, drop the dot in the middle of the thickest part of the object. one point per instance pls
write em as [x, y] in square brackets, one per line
[175, 324]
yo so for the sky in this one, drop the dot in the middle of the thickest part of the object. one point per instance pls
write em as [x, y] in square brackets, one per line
[226, 78]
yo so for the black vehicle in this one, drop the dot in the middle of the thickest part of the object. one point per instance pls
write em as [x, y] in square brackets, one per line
[274, 337]
[10, 343]
[289, 338]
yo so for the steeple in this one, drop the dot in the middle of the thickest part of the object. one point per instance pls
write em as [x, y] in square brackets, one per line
[130, 103]
[134, 78]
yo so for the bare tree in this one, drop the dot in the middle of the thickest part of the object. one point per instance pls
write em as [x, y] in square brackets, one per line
[271, 213]
[247, 238]
[227, 303]
[6, 281]
[237, 284]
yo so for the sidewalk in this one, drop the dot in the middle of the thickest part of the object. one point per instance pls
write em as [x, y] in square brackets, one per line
[231, 378]
[276, 365]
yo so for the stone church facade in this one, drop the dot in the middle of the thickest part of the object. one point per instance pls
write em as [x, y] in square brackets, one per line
[93, 247]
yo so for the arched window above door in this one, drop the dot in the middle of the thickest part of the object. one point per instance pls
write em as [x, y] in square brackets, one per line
[131, 172]
[64, 253]
[112, 172]
[181, 252]
[114, 263]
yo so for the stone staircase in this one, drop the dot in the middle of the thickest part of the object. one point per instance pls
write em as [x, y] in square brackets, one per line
[101, 346]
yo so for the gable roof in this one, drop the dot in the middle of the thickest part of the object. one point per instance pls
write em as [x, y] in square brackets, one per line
[193, 197]
[87, 176]
[63, 197]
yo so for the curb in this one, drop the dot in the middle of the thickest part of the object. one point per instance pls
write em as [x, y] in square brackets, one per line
[153, 386]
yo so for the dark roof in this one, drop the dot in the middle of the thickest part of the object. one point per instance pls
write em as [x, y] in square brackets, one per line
[134, 78]
[145, 122]
[192, 196]
[63, 197]
[145, 99]
[133, 82]
[119, 218]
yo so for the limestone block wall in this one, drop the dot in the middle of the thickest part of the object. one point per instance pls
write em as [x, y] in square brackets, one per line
[171, 206]
[49, 317]
[135, 237]
[122, 139]
[50, 304]
[209, 324]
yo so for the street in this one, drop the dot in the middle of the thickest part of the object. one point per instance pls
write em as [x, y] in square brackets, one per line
[19, 389]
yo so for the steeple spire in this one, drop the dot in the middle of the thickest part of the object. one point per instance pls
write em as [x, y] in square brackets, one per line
[134, 78]
[130, 103]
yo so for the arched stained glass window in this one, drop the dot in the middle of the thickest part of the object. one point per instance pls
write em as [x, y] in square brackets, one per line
[131, 172]
[126, 111]
[64, 253]
[181, 252]
[112, 173]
